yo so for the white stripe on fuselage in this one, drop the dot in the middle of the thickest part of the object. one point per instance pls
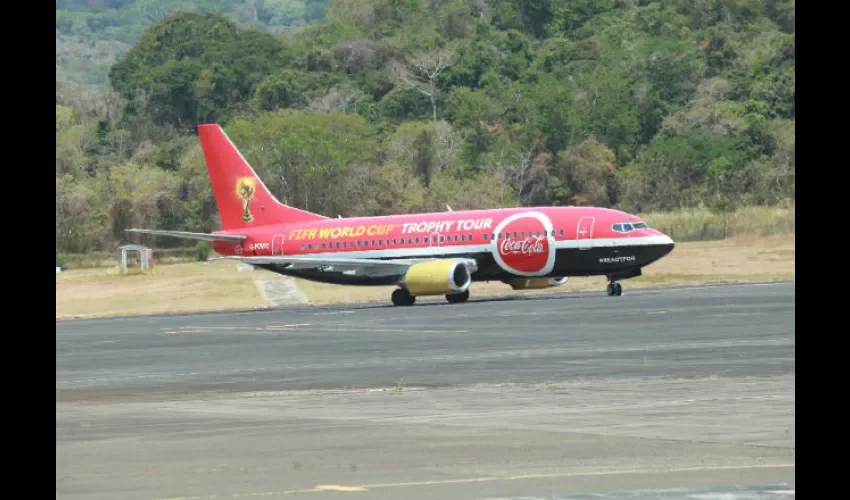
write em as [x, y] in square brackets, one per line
[466, 249]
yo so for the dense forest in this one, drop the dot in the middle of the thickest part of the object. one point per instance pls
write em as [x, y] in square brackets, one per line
[93, 34]
[371, 107]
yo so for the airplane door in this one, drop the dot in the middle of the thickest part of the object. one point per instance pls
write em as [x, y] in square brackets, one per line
[434, 240]
[584, 233]
[277, 244]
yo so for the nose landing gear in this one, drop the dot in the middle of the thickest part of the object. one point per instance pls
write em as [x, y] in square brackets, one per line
[614, 289]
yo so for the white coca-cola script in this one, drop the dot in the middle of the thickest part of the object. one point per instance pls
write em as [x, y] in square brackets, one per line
[528, 246]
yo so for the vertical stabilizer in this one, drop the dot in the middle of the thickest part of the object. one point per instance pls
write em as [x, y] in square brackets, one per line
[242, 198]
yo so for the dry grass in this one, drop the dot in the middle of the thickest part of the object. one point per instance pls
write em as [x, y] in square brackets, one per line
[173, 288]
[218, 285]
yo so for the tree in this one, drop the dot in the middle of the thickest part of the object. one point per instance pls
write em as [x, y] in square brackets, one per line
[421, 71]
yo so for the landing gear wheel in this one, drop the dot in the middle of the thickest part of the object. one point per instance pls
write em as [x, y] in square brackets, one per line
[455, 298]
[402, 297]
[614, 290]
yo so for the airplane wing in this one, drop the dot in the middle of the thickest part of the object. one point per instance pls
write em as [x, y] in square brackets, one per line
[191, 236]
[366, 267]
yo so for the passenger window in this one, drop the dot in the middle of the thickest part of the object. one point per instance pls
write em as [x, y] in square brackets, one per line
[441, 239]
[562, 232]
[417, 240]
[302, 246]
[485, 236]
[425, 239]
[522, 234]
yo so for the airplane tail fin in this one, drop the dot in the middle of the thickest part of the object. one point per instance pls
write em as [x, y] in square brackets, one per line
[242, 198]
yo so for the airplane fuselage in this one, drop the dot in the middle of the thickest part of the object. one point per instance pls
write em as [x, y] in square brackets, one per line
[508, 244]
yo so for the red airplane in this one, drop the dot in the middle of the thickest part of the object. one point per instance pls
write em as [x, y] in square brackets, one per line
[422, 254]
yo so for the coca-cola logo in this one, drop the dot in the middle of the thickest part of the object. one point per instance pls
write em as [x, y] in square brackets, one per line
[529, 246]
[524, 244]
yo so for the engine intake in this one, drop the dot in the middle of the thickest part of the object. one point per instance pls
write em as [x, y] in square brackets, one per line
[536, 283]
[437, 277]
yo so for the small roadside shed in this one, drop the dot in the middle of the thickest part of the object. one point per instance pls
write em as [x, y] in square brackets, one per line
[137, 255]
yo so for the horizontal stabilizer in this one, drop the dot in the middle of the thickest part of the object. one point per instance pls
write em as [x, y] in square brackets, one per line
[191, 236]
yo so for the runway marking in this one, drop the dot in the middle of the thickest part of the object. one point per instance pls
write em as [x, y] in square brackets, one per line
[437, 482]
[207, 329]
[336, 487]
[379, 330]
[284, 328]
[735, 314]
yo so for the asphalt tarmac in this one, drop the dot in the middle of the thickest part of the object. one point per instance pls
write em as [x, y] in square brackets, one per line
[554, 396]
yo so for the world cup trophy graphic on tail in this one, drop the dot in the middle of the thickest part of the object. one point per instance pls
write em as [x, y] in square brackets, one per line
[245, 190]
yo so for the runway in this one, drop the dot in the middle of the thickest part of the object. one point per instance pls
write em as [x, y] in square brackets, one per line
[537, 397]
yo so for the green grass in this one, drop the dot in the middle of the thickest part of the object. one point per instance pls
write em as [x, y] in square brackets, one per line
[702, 224]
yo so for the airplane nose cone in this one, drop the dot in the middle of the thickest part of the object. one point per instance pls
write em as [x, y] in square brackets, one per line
[667, 244]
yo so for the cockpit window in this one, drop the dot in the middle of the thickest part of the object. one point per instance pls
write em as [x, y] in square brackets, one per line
[626, 227]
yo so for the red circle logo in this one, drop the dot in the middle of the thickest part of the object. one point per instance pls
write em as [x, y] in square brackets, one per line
[523, 245]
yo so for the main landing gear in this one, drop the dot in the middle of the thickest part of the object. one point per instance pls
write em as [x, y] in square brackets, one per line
[402, 297]
[614, 289]
[457, 298]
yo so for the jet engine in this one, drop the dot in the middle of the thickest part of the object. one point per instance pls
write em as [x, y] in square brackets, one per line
[438, 277]
[536, 283]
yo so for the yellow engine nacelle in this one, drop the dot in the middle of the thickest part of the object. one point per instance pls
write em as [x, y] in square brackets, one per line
[437, 277]
[536, 283]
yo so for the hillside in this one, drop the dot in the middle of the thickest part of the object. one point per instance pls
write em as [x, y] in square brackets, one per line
[91, 35]
[393, 106]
